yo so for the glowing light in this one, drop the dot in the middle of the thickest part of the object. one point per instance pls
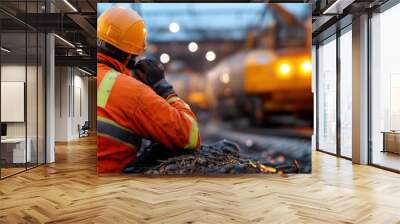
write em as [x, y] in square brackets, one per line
[210, 56]
[84, 71]
[174, 27]
[306, 66]
[193, 47]
[70, 5]
[164, 58]
[5, 50]
[225, 78]
[284, 68]
[64, 40]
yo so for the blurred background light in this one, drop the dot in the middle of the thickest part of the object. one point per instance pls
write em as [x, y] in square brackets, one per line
[225, 78]
[306, 66]
[284, 68]
[174, 27]
[210, 56]
[193, 47]
[164, 58]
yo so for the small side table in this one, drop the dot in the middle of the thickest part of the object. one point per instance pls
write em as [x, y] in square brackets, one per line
[391, 141]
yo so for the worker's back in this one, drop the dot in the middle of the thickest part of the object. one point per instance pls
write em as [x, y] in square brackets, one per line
[129, 110]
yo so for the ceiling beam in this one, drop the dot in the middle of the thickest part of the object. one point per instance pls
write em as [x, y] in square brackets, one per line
[86, 26]
[81, 61]
[320, 22]
[338, 6]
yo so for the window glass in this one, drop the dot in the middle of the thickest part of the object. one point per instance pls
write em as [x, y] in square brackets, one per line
[22, 89]
[15, 150]
[385, 87]
[31, 96]
[327, 96]
[346, 94]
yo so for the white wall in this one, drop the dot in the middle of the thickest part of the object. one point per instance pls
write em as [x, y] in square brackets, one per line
[33, 127]
[62, 82]
[12, 73]
[71, 93]
[81, 102]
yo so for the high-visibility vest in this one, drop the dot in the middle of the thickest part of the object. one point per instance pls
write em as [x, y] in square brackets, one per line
[109, 132]
[107, 127]
[128, 110]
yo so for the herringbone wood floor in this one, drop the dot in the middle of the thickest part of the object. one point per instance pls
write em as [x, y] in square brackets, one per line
[70, 191]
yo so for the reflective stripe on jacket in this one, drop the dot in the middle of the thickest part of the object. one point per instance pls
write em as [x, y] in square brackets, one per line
[128, 110]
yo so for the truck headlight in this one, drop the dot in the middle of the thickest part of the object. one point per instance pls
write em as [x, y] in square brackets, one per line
[306, 66]
[284, 69]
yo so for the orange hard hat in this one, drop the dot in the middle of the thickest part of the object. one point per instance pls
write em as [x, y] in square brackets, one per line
[123, 28]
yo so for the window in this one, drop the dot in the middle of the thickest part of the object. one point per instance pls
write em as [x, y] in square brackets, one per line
[385, 89]
[327, 96]
[22, 77]
[346, 94]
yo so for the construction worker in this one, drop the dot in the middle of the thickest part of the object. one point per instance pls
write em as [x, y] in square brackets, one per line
[128, 108]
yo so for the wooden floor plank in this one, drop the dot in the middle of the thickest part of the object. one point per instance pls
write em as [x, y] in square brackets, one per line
[70, 191]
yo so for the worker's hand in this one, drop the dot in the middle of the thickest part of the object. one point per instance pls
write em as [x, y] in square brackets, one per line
[151, 72]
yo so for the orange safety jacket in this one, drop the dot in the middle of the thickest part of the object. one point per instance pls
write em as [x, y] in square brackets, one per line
[128, 110]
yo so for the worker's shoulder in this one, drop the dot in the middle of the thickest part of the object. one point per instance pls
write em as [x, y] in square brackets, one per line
[128, 81]
[130, 87]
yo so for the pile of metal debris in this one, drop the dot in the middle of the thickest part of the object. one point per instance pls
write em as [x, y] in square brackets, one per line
[222, 157]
